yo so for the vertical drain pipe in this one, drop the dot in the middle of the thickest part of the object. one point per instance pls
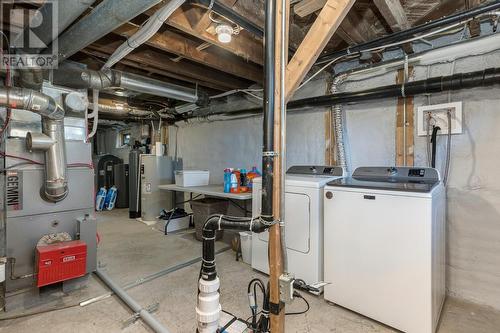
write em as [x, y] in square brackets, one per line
[132, 304]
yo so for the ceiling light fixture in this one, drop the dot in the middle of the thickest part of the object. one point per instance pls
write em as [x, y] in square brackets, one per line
[224, 33]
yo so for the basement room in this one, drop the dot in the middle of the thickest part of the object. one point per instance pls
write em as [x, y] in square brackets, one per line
[250, 166]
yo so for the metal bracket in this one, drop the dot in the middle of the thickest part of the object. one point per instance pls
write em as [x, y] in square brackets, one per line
[276, 308]
[150, 308]
[270, 153]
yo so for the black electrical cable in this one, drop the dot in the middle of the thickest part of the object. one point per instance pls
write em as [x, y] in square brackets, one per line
[298, 295]
[435, 129]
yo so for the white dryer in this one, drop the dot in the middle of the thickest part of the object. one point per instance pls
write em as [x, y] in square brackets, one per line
[385, 245]
[303, 219]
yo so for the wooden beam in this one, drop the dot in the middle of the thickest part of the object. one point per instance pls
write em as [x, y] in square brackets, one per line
[186, 48]
[307, 7]
[330, 154]
[443, 8]
[393, 13]
[317, 37]
[243, 45]
[277, 321]
[404, 127]
[186, 70]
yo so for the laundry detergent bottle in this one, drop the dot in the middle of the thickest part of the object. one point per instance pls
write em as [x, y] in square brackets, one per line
[100, 199]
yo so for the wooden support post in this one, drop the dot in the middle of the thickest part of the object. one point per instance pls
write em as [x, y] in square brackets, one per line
[404, 127]
[330, 153]
[275, 254]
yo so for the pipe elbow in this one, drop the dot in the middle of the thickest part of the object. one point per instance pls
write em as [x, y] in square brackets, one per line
[55, 190]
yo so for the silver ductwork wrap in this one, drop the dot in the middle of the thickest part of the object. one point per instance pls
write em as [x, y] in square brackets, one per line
[51, 141]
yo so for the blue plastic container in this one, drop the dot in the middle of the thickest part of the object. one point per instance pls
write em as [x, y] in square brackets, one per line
[110, 201]
[100, 198]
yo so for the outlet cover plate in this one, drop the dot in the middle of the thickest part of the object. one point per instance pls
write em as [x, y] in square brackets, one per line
[438, 112]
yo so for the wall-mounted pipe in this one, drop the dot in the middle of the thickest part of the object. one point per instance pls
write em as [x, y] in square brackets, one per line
[105, 18]
[484, 78]
[89, 79]
[56, 184]
[408, 33]
[147, 31]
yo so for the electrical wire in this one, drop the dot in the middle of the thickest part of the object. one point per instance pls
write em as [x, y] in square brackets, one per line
[308, 307]
[448, 150]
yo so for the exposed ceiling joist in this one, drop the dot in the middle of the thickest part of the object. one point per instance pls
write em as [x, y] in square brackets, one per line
[186, 70]
[186, 48]
[244, 45]
[317, 37]
[393, 13]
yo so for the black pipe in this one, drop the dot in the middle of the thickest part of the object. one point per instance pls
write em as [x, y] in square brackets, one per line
[459, 81]
[269, 100]
[435, 130]
[231, 15]
[408, 33]
[484, 78]
[218, 222]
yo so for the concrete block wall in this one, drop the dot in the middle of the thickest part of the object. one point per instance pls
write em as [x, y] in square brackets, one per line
[473, 212]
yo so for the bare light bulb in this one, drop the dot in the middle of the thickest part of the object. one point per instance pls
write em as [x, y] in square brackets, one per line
[224, 33]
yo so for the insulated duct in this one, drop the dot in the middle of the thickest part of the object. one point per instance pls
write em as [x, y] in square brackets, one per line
[147, 31]
[105, 18]
[89, 79]
[51, 141]
[338, 125]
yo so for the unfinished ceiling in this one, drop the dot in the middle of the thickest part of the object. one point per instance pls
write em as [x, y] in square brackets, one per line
[186, 50]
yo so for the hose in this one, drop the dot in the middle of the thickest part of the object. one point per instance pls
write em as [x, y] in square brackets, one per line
[448, 150]
[435, 129]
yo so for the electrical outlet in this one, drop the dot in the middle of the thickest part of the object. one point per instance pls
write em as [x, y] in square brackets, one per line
[439, 118]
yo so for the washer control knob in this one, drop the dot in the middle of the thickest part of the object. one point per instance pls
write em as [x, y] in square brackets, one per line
[329, 195]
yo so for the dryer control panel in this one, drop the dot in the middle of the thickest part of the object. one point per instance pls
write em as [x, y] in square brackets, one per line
[316, 170]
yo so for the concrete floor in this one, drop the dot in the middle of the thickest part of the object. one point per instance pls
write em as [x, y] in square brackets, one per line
[130, 250]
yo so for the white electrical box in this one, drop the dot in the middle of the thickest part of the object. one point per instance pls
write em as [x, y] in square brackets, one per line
[438, 112]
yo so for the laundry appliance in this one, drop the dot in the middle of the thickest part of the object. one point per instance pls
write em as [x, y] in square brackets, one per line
[303, 221]
[385, 245]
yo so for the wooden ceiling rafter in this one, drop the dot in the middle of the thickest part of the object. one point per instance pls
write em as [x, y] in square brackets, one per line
[244, 45]
[185, 48]
[197, 73]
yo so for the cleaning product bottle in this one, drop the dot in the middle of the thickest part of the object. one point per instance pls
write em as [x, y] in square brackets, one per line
[109, 202]
[227, 180]
[235, 181]
[100, 198]
[243, 180]
[254, 173]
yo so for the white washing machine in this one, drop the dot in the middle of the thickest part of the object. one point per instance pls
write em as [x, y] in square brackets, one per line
[385, 245]
[303, 219]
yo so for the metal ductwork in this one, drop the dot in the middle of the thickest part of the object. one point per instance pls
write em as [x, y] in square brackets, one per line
[51, 141]
[90, 79]
[105, 18]
[68, 11]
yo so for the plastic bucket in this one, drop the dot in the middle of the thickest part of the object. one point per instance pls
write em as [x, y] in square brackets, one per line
[246, 246]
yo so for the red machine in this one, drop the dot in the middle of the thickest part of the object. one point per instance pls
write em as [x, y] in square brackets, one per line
[61, 261]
